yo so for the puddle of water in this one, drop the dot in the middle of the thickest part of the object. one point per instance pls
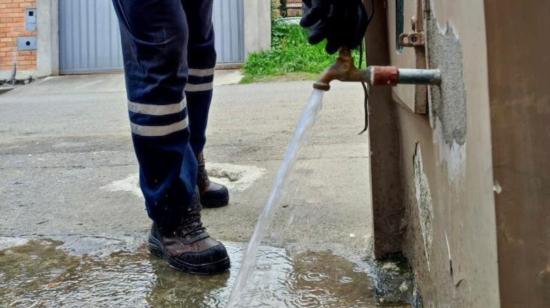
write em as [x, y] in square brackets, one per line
[41, 273]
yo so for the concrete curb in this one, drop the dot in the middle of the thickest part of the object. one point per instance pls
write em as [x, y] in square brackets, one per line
[5, 89]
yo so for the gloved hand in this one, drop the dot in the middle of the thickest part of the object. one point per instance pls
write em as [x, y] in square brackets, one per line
[341, 22]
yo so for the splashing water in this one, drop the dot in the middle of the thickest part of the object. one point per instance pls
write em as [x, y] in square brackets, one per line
[308, 118]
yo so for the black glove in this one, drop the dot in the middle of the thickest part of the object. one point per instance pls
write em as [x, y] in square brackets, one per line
[341, 22]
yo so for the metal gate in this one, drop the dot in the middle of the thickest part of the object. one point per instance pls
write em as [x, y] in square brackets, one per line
[229, 27]
[89, 41]
[88, 37]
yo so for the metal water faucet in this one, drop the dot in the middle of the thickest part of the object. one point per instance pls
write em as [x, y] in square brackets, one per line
[345, 70]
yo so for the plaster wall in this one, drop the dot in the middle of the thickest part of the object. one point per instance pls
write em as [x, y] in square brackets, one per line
[48, 38]
[519, 71]
[257, 25]
[459, 266]
[444, 161]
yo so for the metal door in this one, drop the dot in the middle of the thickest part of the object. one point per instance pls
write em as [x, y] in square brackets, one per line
[89, 40]
[229, 27]
[88, 37]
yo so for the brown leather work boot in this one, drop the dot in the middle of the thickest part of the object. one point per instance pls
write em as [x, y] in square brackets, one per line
[212, 194]
[189, 248]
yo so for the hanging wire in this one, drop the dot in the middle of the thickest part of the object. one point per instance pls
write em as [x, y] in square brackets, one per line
[362, 49]
[366, 91]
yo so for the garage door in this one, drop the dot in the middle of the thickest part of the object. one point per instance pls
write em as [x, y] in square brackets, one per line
[90, 42]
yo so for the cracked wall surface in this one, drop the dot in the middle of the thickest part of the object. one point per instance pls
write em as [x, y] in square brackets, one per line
[424, 203]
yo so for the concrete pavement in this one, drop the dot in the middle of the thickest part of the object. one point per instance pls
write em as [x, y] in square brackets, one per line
[67, 165]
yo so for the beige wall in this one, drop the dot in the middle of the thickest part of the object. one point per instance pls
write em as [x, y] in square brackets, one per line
[473, 172]
[444, 161]
[519, 76]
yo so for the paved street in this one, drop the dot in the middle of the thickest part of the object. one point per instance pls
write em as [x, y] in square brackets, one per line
[68, 171]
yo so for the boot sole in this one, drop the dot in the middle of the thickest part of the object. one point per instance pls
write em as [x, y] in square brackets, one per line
[215, 203]
[211, 268]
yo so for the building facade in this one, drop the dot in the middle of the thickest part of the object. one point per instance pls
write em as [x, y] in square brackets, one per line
[51, 37]
[13, 15]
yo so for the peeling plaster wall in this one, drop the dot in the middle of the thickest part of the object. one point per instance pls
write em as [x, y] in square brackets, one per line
[460, 269]
[446, 165]
[424, 203]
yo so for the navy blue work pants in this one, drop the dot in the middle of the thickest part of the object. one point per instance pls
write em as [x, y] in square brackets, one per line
[169, 59]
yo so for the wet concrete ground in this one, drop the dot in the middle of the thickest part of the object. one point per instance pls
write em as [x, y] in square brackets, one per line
[44, 272]
[68, 187]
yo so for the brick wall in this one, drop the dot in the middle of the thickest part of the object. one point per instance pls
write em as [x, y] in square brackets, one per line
[12, 25]
[294, 7]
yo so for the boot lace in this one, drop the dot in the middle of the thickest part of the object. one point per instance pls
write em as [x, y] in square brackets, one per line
[191, 225]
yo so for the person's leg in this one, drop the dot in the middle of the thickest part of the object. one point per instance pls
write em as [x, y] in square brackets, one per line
[201, 57]
[154, 40]
[202, 60]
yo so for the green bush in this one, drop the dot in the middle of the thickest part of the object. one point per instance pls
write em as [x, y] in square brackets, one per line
[290, 53]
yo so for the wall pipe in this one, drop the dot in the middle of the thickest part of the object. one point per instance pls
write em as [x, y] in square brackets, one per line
[344, 70]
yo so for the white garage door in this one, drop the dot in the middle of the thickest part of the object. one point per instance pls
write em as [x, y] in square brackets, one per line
[90, 42]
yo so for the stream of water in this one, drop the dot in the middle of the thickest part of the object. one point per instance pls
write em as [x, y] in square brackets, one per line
[307, 120]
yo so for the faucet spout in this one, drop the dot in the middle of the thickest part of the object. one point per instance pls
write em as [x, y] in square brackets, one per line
[343, 70]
